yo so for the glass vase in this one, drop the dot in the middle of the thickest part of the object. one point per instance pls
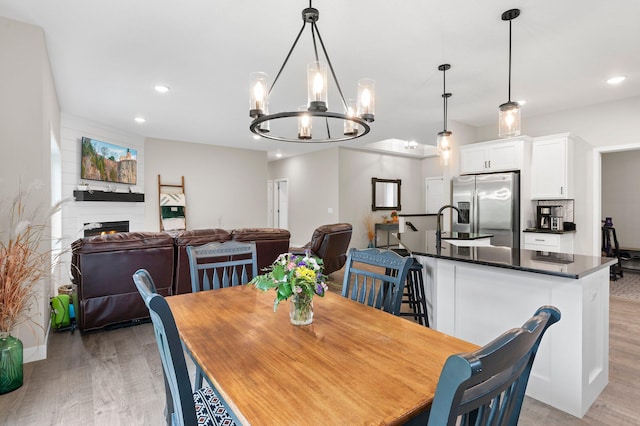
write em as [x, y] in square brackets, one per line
[10, 363]
[301, 309]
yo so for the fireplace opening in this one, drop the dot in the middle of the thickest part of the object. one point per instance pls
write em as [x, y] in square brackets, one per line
[102, 228]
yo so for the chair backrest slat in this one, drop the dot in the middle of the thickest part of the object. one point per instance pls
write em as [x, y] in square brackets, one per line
[217, 265]
[487, 386]
[376, 277]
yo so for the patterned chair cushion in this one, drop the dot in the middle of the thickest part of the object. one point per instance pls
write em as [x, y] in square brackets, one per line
[209, 408]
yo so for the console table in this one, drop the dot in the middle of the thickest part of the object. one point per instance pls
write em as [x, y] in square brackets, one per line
[388, 228]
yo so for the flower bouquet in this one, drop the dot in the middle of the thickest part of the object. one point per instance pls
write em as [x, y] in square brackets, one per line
[296, 276]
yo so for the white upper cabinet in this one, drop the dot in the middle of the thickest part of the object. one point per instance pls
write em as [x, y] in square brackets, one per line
[495, 156]
[551, 168]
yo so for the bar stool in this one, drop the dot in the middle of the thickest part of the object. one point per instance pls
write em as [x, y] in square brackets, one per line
[414, 295]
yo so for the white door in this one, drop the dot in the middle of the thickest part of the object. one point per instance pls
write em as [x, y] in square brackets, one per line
[435, 195]
[281, 202]
[270, 203]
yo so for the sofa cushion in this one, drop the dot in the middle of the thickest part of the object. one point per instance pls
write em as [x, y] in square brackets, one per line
[197, 237]
[270, 242]
[103, 267]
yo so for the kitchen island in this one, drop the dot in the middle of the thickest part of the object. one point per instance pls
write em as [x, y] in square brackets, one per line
[478, 292]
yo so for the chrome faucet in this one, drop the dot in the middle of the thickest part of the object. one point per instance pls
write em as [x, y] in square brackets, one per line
[439, 220]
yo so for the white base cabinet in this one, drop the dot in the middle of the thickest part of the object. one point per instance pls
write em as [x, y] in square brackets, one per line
[554, 243]
[477, 303]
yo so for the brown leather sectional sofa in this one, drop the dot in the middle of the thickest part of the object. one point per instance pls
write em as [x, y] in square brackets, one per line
[102, 268]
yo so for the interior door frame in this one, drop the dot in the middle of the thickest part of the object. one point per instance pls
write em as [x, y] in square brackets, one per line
[597, 188]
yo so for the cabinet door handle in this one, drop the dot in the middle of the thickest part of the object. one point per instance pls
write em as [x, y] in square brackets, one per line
[538, 239]
[489, 163]
[561, 190]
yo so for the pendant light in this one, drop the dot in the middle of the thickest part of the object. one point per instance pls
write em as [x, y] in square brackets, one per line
[444, 141]
[313, 122]
[509, 112]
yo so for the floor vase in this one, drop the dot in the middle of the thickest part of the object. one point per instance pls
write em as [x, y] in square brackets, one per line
[10, 363]
[301, 309]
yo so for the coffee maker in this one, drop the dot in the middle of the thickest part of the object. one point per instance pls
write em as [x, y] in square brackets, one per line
[550, 218]
[557, 218]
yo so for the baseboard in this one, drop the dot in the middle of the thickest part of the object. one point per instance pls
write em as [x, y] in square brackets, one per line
[37, 353]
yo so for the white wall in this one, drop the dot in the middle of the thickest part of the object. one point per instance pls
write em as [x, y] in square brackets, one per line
[29, 116]
[313, 182]
[224, 187]
[604, 124]
[76, 213]
[355, 173]
[621, 195]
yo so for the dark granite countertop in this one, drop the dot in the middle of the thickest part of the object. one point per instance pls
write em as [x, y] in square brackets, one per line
[548, 231]
[558, 264]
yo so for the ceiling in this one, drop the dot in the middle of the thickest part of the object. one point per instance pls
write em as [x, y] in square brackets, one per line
[107, 56]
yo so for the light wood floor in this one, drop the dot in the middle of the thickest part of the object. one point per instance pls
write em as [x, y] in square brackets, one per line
[114, 378]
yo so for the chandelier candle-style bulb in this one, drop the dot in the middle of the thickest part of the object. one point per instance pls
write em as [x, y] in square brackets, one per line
[367, 99]
[350, 127]
[258, 88]
[317, 86]
[304, 124]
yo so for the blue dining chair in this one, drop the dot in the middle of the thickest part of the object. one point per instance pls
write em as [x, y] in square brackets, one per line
[184, 407]
[376, 277]
[217, 265]
[487, 386]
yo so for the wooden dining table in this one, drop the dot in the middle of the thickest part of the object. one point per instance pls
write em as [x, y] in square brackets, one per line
[354, 365]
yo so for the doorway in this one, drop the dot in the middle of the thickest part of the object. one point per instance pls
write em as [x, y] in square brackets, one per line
[278, 203]
[597, 189]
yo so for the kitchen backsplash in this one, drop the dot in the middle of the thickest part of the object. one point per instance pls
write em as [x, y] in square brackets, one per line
[567, 206]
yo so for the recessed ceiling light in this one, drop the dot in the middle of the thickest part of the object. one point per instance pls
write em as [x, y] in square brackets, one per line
[256, 137]
[616, 80]
[140, 119]
[161, 89]
[521, 102]
[278, 155]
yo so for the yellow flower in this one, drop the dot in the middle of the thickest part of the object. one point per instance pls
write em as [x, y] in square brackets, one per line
[306, 274]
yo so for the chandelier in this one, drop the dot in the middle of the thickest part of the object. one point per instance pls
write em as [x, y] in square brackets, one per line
[311, 122]
[444, 141]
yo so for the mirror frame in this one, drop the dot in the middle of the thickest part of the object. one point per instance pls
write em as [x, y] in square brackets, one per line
[375, 207]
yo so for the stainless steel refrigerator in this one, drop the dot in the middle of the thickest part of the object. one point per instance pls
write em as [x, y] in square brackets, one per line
[489, 204]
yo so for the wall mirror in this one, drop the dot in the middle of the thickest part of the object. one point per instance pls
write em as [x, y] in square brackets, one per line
[385, 194]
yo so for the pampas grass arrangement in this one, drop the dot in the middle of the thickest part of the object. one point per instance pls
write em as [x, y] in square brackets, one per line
[26, 257]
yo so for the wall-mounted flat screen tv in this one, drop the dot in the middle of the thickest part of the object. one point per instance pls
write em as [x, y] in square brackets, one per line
[107, 162]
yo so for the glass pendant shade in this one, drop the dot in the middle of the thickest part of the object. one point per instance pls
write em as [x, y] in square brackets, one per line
[350, 127]
[265, 126]
[366, 99]
[509, 120]
[317, 86]
[444, 144]
[258, 88]
[304, 124]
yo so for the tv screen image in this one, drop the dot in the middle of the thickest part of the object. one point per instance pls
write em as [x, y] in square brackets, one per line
[106, 162]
